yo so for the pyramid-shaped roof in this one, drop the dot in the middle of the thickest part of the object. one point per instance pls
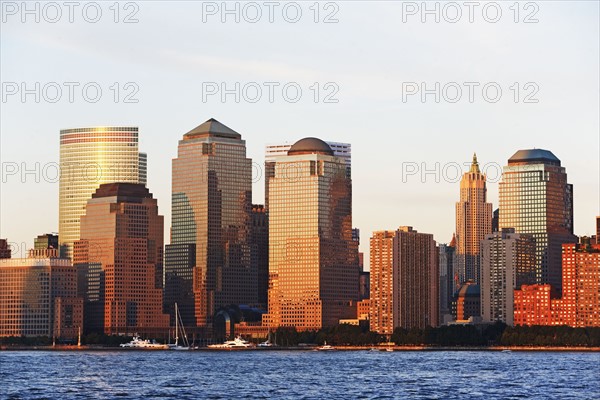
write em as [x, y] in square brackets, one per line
[212, 127]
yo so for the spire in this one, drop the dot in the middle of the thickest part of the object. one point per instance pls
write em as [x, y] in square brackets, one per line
[453, 241]
[475, 165]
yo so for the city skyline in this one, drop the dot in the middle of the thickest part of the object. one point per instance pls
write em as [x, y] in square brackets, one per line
[559, 54]
[259, 169]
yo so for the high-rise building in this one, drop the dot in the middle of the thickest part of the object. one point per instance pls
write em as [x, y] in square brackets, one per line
[210, 248]
[46, 241]
[90, 157]
[473, 222]
[259, 238]
[313, 271]
[38, 297]
[5, 250]
[274, 150]
[404, 280]
[597, 230]
[536, 199]
[119, 261]
[579, 305]
[496, 220]
[447, 282]
[507, 262]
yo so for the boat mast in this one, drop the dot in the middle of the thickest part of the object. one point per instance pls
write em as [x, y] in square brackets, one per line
[176, 325]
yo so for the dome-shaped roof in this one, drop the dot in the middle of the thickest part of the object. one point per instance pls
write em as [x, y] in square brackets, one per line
[534, 156]
[310, 145]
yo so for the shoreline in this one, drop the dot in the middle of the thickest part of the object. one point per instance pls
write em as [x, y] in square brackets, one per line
[313, 348]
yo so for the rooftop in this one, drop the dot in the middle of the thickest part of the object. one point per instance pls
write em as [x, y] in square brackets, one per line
[310, 145]
[212, 127]
[531, 156]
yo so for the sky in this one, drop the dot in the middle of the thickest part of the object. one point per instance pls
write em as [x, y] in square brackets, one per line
[415, 91]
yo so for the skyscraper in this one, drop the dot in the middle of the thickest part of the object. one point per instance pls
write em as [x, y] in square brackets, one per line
[119, 261]
[90, 157]
[274, 150]
[210, 251]
[507, 262]
[473, 222]
[536, 199]
[404, 280]
[259, 238]
[447, 282]
[313, 270]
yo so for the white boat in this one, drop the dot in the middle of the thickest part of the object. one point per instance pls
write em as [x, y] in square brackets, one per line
[325, 347]
[178, 322]
[137, 343]
[237, 343]
[265, 344]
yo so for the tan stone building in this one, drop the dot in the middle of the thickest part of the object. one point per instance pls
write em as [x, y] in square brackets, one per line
[473, 222]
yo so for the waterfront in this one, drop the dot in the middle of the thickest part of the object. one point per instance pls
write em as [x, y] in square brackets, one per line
[283, 374]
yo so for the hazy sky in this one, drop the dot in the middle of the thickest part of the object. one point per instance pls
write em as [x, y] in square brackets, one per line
[373, 61]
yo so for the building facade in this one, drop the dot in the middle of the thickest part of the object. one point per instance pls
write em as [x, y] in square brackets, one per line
[274, 150]
[404, 280]
[473, 222]
[119, 261]
[313, 267]
[448, 283]
[38, 297]
[466, 303]
[579, 305]
[90, 157]
[508, 261]
[210, 248]
[259, 239]
[5, 250]
[536, 199]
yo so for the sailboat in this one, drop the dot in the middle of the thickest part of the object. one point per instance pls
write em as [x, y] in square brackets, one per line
[179, 322]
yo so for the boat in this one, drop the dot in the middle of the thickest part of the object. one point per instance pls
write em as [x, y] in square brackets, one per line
[178, 322]
[237, 343]
[325, 347]
[267, 343]
[138, 343]
[506, 351]
[389, 349]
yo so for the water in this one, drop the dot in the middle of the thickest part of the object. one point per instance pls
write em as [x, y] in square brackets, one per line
[299, 375]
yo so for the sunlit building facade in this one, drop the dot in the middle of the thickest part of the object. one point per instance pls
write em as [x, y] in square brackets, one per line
[507, 262]
[210, 250]
[38, 297]
[466, 303]
[579, 305]
[404, 280]
[536, 199]
[119, 261]
[313, 260]
[473, 222]
[90, 157]
[274, 150]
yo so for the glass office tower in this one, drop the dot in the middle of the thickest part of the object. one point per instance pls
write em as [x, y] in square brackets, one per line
[536, 199]
[210, 252]
[313, 268]
[90, 157]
